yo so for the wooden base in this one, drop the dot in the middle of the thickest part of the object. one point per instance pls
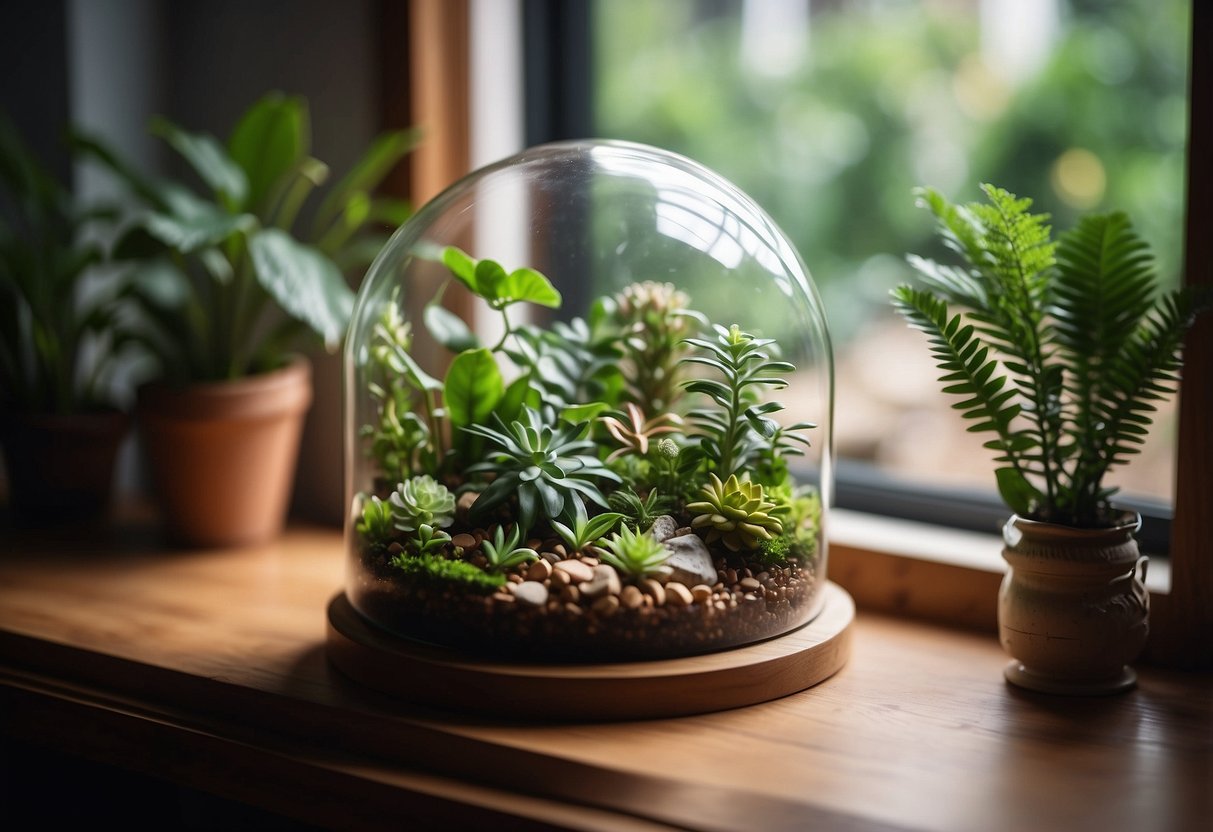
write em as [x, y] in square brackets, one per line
[627, 690]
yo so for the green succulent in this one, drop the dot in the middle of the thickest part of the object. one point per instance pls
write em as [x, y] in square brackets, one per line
[639, 512]
[422, 501]
[735, 432]
[505, 552]
[735, 512]
[586, 530]
[436, 568]
[655, 319]
[429, 539]
[634, 554]
[376, 524]
[550, 468]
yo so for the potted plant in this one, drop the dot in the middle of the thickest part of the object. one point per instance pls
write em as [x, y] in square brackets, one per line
[229, 281]
[1059, 353]
[609, 487]
[59, 336]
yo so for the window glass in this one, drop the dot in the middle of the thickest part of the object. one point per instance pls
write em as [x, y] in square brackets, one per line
[830, 113]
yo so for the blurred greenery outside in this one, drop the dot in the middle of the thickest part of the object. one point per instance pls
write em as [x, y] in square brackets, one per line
[833, 113]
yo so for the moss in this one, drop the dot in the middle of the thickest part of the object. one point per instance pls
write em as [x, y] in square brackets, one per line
[440, 569]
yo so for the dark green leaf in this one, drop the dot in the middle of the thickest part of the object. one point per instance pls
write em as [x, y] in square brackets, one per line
[267, 143]
[208, 158]
[304, 282]
[473, 388]
[449, 329]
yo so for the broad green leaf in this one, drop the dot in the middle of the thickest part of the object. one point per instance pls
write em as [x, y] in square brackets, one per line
[304, 282]
[515, 395]
[383, 154]
[449, 329]
[208, 158]
[524, 285]
[473, 387]
[583, 412]
[205, 225]
[462, 266]
[489, 276]
[267, 143]
[1016, 492]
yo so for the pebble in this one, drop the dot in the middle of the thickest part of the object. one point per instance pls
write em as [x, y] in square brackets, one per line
[514, 578]
[654, 589]
[570, 593]
[464, 540]
[550, 557]
[395, 548]
[504, 597]
[465, 500]
[631, 597]
[539, 570]
[572, 609]
[531, 592]
[560, 578]
[701, 592]
[576, 570]
[663, 528]
[604, 582]
[606, 605]
[690, 562]
[678, 595]
[559, 549]
[589, 561]
[534, 544]
[730, 576]
[750, 584]
[679, 532]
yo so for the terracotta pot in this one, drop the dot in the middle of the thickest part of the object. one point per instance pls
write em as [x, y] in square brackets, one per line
[223, 455]
[1073, 608]
[61, 467]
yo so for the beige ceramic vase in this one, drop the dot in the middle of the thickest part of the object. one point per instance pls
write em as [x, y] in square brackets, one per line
[223, 454]
[1073, 608]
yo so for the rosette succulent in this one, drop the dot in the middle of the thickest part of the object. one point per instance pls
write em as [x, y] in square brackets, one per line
[633, 554]
[551, 468]
[422, 501]
[735, 512]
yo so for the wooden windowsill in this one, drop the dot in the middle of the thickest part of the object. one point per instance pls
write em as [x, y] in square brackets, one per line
[209, 668]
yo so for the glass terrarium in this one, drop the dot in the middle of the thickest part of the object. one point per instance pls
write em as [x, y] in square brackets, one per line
[588, 415]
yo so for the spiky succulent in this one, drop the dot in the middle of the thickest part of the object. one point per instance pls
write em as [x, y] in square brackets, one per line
[548, 467]
[377, 524]
[505, 552]
[634, 554]
[735, 512]
[639, 512]
[422, 500]
[585, 530]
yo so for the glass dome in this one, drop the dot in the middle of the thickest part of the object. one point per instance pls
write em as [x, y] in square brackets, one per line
[588, 415]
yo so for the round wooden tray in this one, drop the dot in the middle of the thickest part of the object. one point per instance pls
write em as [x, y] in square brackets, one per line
[624, 690]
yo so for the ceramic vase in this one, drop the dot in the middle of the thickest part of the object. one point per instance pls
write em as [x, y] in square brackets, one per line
[1073, 608]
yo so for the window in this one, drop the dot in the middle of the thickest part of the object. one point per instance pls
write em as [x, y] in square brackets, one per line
[830, 113]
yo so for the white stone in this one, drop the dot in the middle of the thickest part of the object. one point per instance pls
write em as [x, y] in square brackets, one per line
[690, 562]
[531, 592]
[663, 528]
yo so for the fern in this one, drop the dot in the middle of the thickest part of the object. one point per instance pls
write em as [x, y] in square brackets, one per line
[1070, 325]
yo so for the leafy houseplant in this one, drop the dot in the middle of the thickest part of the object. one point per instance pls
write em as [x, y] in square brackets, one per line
[565, 463]
[229, 280]
[1060, 352]
[58, 343]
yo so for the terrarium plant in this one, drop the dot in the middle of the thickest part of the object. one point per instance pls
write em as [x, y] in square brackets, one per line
[570, 460]
[1059, 350]
[62, 329]
[235, 272]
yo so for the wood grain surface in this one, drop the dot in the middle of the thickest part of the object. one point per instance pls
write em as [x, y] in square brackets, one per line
[114, 646]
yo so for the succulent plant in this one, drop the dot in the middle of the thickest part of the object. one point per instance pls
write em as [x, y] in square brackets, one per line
[637, 511]
[548, 467]
[422, 501]
[376, 524]
[429, 539]
[733, 433]
[586, 530]
[635, 433]
[735, 512]
[655, 320]
[634, 554]
[505, 552]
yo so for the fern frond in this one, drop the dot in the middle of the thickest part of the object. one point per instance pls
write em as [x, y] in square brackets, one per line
[970, 371]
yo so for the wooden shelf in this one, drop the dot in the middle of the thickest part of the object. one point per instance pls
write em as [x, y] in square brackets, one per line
[209, 668]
